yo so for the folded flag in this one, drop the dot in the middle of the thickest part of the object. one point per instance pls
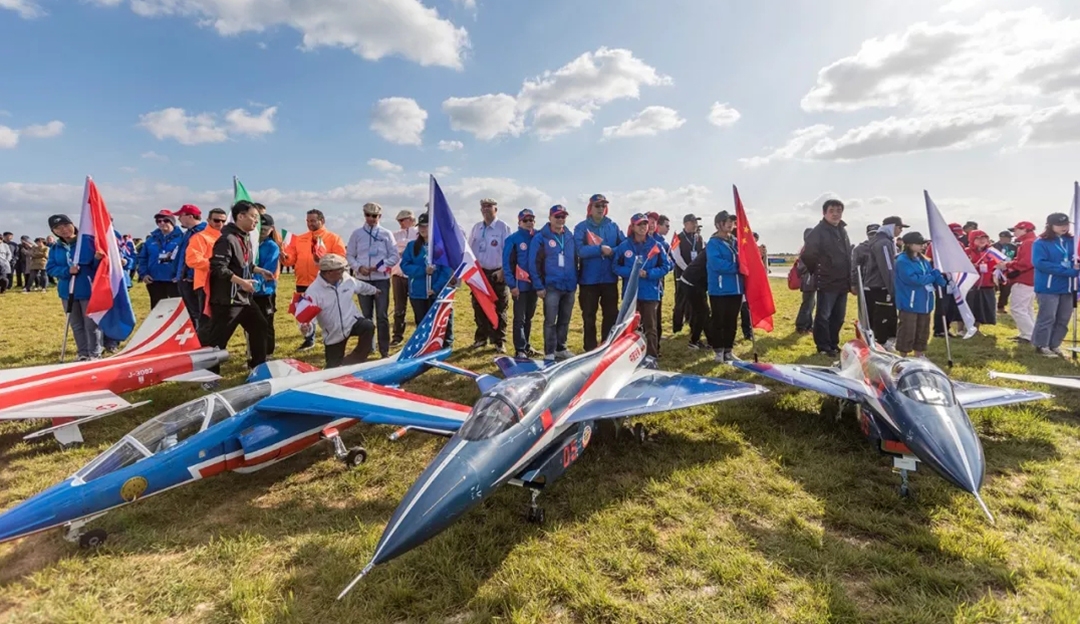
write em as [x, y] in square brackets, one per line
[759, 298]
[303, 308]
[240, 194]
[592, 238]
[109, 305]
[447, 248]
[655, 251]
[951, 259]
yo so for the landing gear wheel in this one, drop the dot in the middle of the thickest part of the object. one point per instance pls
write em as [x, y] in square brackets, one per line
[640, 433]
[92, 539]
[355, 457]
[535, 515]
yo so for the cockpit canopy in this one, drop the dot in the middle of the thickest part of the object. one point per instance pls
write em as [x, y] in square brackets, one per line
[927, 387]
[169, 428]
[503, 407]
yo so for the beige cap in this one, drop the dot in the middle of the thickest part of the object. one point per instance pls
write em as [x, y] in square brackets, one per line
[373, 207]
[404, 214]
[487, 201]
[332, 262]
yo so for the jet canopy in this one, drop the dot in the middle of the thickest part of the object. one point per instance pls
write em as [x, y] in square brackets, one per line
[503, 407]
[169, 428]
[927, 387]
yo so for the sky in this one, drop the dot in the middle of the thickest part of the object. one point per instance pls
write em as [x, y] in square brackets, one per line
[659, 105]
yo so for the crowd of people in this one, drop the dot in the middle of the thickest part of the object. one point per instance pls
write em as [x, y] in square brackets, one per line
[902, 288]
[225, 283]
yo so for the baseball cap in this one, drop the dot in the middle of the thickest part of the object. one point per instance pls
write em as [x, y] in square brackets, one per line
[188, 209]
[332, 262]
[423, 220]
[638, 218]
[557, 210]
[653, 216]
[1024, 225]
[956, 227]
[913, 238]
[267, 220]
[1057, 218]
[690, 217]
[1005, 233]
[165, 214]
[894, 221]
[404, 214]
[977, 234]
[872, 228]
[597, 198]
[722, 216]
[58, 220]
[525, 213]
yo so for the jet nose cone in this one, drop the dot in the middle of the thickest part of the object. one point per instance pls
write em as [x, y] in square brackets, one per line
[951, 447]
[26, 518]
[446, 490]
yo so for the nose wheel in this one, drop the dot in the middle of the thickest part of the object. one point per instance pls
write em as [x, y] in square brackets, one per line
[92, 539]
[352, 457]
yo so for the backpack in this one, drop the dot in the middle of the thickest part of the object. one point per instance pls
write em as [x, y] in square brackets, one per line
[794, 280]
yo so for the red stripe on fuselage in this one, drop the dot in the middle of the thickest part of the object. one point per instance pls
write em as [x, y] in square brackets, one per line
[161, 329]
[297, 445]
[621, 345]
[546, 420]
[349, 381]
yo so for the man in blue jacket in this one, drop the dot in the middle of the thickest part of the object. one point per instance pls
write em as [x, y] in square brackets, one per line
[656, 266]
[65, 267]
[157, 260]
[596, 238]
[553, 270]
[191, 220]
[516, 270]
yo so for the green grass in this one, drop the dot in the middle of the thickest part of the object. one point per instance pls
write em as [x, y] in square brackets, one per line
[762, 510]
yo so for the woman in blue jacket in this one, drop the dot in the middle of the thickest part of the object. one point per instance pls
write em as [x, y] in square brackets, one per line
[158, 257]
[1054, 257]
[414, 266]
[553, 270]
[915, 280]
[265, 295]
[65, 267]
[656, 265]
[725, 286]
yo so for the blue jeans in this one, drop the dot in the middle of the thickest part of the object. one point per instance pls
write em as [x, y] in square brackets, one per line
[524, 309]
[87, 334]
[558, 305]
[831, 310]
[804, 321]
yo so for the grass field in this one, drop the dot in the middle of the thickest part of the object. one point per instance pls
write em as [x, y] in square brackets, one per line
[760, 510]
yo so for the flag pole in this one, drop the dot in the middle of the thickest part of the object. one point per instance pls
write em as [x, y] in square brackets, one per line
[945, 324]
[431, 200]
[753, 341]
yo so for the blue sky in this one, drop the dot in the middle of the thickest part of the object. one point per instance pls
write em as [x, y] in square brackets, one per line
[162, 101]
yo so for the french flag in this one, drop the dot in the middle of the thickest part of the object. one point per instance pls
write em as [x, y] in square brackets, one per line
[109, 305]
[448, 249]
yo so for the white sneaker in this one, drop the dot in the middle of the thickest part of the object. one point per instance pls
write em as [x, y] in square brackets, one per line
[1043, 351]
[720, 357]
[890, 345]
[565, 354]
[730, 357]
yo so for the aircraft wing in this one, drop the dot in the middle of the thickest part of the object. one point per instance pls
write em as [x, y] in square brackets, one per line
[349, 397]
[651, 391]
[817, 378]
[1062, 381]
[973, 396]
[80, 405]
[511, 367]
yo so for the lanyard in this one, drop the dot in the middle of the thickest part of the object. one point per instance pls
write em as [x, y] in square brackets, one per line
[561, 238]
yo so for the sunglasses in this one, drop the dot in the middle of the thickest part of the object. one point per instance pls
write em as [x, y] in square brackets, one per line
[162, 221]
[218, 220]
[560, 216]
[370, 216]
[528, 220]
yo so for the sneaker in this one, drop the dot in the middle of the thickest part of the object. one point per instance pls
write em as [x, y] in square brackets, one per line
[720, 357]
[694, 345]
[83, 358]
[533, 353]
[500, 349]
[890, 344]
[1060, 353]
[521, 355]
[549, 357]
[649, 362]
[1043, 351]
[396, 342]
[308, 343]
[478, 344]
[1020, 339]
[829, 353]
[730, 357]
[564, 354]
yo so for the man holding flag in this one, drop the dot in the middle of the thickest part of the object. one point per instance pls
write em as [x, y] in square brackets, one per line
[515, 267]
[74, 275]
[596, 239]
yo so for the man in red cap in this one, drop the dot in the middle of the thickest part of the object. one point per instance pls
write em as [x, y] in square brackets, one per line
[190, 218]
[1021, 274]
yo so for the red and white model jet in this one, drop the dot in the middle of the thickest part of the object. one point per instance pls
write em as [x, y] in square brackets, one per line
[164, 348]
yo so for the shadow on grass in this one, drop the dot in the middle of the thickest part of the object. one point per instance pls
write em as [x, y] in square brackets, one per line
[443, 575]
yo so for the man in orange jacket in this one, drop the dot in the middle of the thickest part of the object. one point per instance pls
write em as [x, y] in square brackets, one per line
[197, 257]
[304, 252]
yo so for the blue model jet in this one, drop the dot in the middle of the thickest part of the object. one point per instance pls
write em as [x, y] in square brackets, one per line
[230, 430]
[908, 407]
[527, 429]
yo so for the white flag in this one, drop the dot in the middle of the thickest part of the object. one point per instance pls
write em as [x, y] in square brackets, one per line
[951, 259]
[1074, 216]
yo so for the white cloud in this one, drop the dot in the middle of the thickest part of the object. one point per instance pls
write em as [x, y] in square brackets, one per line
[674, 203]
[485, 116]
[128, 169]
[451, 146]
[47, 131]
[154, 156]
[371, 30]
[27, 9]
[959, 6]
[443, 171]
[652, 120]
[722, 115]
[1053, 126]
[9, 137]
[560, 100]
[384, 166]
[399, 120]
[175, 123]
[469, 4]
[800, 140]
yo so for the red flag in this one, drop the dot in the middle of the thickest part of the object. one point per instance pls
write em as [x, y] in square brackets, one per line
[655, 251]
[303, 308]
[521, 274]
[592, 239]
[758, 292]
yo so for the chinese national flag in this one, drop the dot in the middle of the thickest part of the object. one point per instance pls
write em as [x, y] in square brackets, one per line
[758, 292]
[521, 274]
[591, 238]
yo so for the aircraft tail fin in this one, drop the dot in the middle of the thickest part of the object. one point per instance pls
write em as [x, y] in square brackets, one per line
[862, 324]
[430, 335]
[167, 329]
[628, 318]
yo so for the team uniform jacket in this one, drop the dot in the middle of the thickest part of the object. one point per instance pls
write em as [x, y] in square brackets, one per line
[657, 265]
[1053, 260]
[544, 267]
[200, 249]
[62, 258]
[414, 267]
[516, 254]
[723, 264]
[595, 268]
[159, 255]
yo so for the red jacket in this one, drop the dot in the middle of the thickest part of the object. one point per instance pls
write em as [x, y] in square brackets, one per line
[1022, 262]
[984, 264]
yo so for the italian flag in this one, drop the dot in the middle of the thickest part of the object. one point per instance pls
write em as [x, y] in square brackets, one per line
[240, 194]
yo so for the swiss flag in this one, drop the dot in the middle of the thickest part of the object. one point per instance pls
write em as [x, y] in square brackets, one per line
[303, 308]
[758, 291]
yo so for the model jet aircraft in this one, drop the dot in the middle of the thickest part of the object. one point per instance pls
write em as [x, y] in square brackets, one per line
[908, 407]
[528, 428]
[164, 348]
[231, 430]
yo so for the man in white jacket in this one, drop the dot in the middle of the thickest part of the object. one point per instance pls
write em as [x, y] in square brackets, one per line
[332, 293]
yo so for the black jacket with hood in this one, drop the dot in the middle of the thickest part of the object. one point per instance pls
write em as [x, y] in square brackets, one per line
[232, 256]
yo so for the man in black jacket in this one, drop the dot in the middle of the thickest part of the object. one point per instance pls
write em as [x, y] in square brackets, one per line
[827, 254]
[879, 280]
[688, 245]
[231, 287]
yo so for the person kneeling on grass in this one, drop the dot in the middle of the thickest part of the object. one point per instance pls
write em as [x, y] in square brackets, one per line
[915, 282]
[332, 293]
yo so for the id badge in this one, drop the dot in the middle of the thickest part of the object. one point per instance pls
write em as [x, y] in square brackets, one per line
[693, 256]
[562, 260]
[929, 288]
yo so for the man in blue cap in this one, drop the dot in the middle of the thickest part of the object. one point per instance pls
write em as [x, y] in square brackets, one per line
[553, 271]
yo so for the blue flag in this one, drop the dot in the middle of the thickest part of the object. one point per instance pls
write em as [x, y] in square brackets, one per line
[447, 239]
